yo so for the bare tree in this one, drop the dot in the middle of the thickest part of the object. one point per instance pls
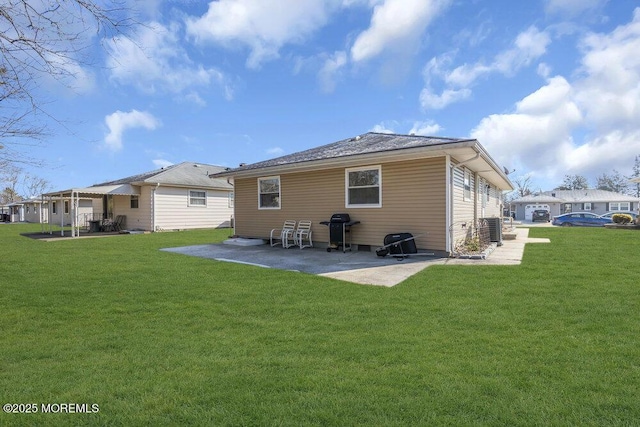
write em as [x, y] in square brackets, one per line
[42, 40]
[614, 182]
[574, 182]
[636, 174]
[523, 185]
[10, 179]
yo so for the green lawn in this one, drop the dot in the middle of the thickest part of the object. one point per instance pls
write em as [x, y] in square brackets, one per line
[156, 338]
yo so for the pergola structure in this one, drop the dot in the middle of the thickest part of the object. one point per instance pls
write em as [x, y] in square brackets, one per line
[75, 194]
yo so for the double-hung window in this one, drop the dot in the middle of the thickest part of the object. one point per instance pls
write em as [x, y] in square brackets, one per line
[134, 202]
[363, 187]
[197, 198]
[269, 192]
[467, 184]
[619, 206]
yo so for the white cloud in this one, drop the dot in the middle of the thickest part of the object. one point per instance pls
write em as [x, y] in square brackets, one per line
[382, 128]
[428, 128]
[430, 100]
[572, 7]
[539, 129]
[589, 126]
[162, 163]
[119, 122]
[610, 92]
[264, 26]
[528, 46]
[331, 70]
[395, 23]
[424, 128]
[156, 62]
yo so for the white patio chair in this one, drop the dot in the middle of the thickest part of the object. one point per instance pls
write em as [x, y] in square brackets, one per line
[284, 235]
[303, 232]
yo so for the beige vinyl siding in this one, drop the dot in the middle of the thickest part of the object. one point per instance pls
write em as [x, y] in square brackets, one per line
[174, 213]
[413, 200]
[493, 208]
[85, 208]
[136, 219]
[464, 211]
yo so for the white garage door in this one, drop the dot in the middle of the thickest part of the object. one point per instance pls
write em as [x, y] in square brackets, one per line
[528, 210]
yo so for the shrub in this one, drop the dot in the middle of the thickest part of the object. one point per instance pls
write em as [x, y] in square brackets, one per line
[622, 218]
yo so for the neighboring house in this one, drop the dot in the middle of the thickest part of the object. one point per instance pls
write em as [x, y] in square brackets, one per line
[559, 202]
[35, 210]
[431, 187]
[175, 197]
[16, 211]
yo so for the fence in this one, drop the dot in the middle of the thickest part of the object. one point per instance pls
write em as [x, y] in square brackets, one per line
[470, 237]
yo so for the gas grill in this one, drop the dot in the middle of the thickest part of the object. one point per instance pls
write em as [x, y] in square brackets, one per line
[339, 228]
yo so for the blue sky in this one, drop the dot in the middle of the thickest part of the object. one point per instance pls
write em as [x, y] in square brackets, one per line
[549, 87]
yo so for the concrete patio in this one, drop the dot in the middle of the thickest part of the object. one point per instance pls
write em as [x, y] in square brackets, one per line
[357, 267]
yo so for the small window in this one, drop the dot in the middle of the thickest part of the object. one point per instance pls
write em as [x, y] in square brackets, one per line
[66, 206]
[363, 187]
[467, 184]
[197, 198]
[587, 206]
[53, 207]
[269, 192]
[135, 202]
[231, 200]
[27, 208]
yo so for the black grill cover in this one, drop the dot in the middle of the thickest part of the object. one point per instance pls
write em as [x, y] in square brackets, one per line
[340, 218]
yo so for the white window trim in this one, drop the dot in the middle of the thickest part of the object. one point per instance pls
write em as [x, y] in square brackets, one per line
[346, 187]
[231, 199]
[266, 208]
[189, 197]
[466, 178]
[587, 206]
[619, 207]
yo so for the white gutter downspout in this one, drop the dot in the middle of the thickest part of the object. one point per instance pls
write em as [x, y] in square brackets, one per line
[450, 197]
[153, 207]
[234, 204]
[61, 215]
[75, 222]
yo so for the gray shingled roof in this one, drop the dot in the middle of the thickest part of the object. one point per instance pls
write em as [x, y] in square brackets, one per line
[371, 142]
[576, 196]
[182, 174]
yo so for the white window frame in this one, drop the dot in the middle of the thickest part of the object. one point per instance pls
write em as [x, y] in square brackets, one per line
[279, 199]
[466, 185]
[619, 206]
[587, 206]
[66, 207]
[347, 188]
[193, 198]
[231, 199]
[54, 208]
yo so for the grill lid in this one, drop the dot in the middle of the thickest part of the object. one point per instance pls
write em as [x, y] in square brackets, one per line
[340, 217]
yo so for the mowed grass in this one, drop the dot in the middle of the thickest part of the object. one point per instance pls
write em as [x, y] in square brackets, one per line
[157, 338]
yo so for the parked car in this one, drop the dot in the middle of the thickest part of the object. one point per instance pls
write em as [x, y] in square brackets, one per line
[585, 219]
[610, 215]
[540, 215]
